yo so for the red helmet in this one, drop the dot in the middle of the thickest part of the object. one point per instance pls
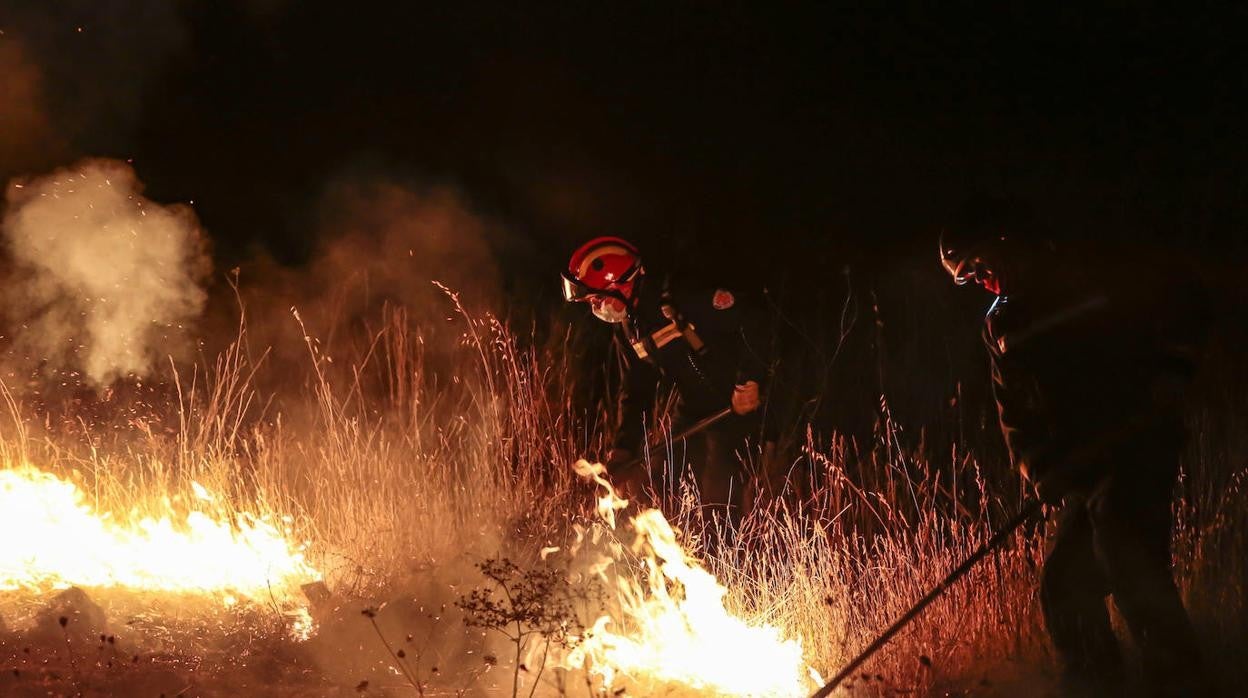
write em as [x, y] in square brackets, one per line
[602, 266]
[604, 272]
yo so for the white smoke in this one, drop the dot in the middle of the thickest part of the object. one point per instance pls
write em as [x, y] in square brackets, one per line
[105, 281]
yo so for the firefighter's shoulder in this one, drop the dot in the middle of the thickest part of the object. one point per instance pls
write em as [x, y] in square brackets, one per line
[704, 298]
[710, 307]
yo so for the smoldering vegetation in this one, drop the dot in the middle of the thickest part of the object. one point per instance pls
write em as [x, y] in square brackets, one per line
[105, 289]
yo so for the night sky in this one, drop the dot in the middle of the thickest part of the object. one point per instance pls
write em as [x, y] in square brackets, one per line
[832, 129]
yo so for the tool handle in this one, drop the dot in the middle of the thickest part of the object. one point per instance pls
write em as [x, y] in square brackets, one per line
[696, 427]
[1024, 514]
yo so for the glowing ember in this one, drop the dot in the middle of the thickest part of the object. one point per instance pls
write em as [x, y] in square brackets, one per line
[672, 627]
[59, 541]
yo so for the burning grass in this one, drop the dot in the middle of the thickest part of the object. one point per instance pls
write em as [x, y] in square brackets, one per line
[404, 473]
[67, 543]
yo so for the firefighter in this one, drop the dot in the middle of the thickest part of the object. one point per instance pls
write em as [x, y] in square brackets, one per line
[1088, 365]
[705, 341]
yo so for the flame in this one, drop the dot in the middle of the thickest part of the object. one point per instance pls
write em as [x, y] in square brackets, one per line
[672, 627]
[58, 540]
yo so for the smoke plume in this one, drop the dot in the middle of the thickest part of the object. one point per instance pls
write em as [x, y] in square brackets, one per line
[381, 240]
[104, 281]
[397, 238]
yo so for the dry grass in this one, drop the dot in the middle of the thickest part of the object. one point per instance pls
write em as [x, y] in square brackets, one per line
[405, 472]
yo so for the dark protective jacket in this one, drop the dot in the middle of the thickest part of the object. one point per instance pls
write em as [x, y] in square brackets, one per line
[706, 341]
[1080, 363]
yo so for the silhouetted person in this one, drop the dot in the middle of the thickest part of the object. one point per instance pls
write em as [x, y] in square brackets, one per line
[706, 341]
[1089, 362]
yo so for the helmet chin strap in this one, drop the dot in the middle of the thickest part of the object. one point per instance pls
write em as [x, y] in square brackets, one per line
[611, 310]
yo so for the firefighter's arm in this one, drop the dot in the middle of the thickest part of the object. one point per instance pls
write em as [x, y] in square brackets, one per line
[1058, 471]
[1025, 429]
[754, 351]
[1041, 460]
[636, 397]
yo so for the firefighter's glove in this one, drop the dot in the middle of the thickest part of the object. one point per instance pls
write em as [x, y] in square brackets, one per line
[745, 398]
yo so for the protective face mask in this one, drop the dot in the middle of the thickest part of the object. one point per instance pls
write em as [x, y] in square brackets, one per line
[610, 310]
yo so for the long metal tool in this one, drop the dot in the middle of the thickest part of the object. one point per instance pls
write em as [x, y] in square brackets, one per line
[1002, 534]
[1112, 438]
[685, 433]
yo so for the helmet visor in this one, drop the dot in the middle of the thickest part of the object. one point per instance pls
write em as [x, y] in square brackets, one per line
[574, 291]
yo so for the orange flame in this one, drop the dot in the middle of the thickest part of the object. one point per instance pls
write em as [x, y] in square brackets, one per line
[60, 541]
[672, 627]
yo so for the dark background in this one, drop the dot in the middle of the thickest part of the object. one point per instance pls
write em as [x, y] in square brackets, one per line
[812, 149]
[756, 128]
